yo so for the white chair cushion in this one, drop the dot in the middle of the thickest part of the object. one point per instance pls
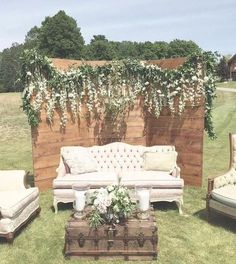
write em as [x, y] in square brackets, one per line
[158, 179]
[13, 202]
[95, 179]
[226, 195]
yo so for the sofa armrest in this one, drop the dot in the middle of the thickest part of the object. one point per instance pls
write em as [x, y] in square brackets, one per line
[12, 179]
[176, 172]
[61, 171]
[219, 181]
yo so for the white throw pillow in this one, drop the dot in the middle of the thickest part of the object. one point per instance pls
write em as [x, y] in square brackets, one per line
[159, 161]
[80, 162]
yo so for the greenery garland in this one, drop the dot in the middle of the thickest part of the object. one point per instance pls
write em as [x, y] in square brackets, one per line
[111, 90]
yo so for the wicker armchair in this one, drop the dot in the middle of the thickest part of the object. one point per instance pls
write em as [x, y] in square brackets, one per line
[221, 196]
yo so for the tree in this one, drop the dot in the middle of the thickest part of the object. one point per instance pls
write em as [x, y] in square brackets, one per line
[9, 68]
[100, 49]
[59, 36]
[32, 38]
[223, 69]
[160, 49]
[182, 48]
[127, 49]
[146, 50]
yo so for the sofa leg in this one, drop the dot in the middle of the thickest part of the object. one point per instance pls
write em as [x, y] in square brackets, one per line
[55, 205]
[10, 238]
[180, 204]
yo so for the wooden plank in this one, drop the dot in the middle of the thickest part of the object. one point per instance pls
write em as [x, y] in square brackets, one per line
[176, 123]
[46, 161]
[44, 185]
[192, 180]
[190, 158]
[45, 173]
[88, 133]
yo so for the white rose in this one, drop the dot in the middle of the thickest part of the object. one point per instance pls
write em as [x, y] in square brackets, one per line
[110, 188]
[194, 78]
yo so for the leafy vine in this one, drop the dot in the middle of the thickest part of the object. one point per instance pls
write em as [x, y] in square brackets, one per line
[111, 90]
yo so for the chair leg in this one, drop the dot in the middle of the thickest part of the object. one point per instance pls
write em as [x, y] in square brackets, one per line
[180, 205]
[55, 205]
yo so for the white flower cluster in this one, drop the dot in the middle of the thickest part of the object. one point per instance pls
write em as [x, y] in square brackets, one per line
[103, 200]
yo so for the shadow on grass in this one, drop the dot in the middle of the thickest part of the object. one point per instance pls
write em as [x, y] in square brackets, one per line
[63, 207]
[165, 206]
[217, 219]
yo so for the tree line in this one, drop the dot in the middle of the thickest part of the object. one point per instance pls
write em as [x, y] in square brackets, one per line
[60, 37]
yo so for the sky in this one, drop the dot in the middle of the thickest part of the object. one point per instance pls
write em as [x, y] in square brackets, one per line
[209, 23]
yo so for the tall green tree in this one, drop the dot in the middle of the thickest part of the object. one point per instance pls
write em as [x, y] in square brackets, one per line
[9, 68]
[59, 36]
[223, 69]
[160, 49]
[100, 49]
[182, 48]
[127, 49]
[32, 38]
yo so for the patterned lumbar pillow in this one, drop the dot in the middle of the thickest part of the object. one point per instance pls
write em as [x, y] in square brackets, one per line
[159, 161]
[80, 162]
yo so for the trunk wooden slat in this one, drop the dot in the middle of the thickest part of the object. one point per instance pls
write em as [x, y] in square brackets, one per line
[133, 240]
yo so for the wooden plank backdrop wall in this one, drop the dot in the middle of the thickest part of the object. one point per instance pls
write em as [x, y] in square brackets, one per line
[185, 132]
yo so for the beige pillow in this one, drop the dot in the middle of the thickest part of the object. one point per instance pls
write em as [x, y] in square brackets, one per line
[80, 162]
[160, 161]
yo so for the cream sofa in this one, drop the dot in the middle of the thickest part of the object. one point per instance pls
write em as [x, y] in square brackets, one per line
[119, 162]
[17, 203]
[221, 196]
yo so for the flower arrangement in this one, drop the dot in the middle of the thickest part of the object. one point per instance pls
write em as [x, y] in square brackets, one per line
[110, 205]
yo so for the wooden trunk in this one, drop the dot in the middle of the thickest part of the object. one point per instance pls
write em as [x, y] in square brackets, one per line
[133, 240]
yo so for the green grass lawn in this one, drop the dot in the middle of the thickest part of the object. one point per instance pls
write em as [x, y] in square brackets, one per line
[182, 239]
[230, 84]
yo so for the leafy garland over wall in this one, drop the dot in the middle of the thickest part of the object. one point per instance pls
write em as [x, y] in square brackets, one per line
[111, 90]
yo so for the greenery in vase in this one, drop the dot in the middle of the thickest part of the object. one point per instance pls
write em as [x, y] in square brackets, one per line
[110, 205]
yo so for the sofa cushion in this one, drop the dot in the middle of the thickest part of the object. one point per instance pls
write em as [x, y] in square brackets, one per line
[157, 179]
[80, 163]
[159, 161]
[14, 202]
[226, 195]
[94, 179]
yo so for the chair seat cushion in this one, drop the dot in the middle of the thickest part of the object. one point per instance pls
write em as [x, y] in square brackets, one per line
[95, 179]
[157, 179]
[226, 195]
[14, 202]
